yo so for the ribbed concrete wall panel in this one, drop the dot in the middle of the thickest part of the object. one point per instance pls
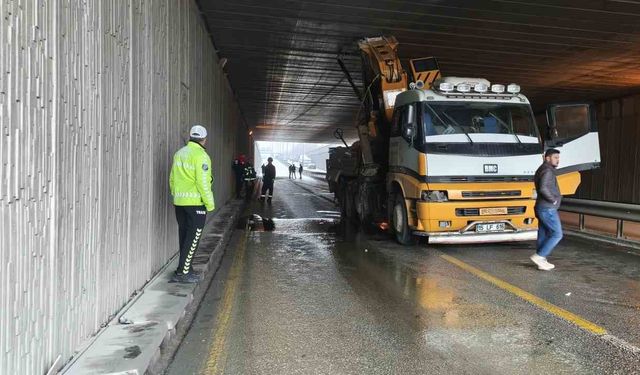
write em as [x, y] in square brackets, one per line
[95, 97]
[618, 178]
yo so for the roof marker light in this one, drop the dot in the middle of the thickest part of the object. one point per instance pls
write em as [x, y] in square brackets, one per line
[480, 87]
[463, 87]
[513, 88]
[498, 89]
[446, 87]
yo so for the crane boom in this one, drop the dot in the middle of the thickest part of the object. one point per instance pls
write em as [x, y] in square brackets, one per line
[382, 58]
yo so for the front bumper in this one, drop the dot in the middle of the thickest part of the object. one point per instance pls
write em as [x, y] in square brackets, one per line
[469, 238]
[468, 235]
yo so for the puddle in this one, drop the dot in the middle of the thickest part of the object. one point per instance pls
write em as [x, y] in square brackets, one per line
[141, 327]
[132, 352]
[256, 223]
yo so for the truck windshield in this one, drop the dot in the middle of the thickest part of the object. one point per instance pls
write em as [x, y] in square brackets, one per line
[443, 118]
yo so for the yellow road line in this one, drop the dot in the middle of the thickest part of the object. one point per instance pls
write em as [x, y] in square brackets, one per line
[215, 361]
[537, 301]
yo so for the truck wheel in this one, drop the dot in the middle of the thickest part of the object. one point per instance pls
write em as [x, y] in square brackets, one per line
[341, 197]
[347, 205]
[362, 209]
[400, 223]
[350, 204]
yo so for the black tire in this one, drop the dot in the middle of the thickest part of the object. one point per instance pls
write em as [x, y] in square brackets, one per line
[341, 193]
[361, 206]
[347, 205]
[399, 221]
[364, 218]
[350, 205]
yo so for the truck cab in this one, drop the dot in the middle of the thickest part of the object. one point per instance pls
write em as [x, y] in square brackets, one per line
[462, 158]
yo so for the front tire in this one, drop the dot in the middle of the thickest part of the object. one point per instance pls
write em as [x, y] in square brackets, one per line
[400, 222]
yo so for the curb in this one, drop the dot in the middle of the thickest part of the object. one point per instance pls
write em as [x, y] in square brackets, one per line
[140, 334]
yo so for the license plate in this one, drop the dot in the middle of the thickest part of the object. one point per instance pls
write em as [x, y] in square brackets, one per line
[493, 211]
[491, 227]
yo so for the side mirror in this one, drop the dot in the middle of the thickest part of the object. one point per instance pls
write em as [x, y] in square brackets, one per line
[339, 134]
[409, 126]
[408, 132]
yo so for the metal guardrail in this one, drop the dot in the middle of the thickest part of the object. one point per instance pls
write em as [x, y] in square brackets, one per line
[315, 173]
[621, 212]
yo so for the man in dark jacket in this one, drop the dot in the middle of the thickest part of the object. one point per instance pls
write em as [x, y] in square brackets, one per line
[267, 181]
[547, 204]
[238, 171]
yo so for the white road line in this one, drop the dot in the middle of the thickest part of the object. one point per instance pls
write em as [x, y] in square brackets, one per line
[620, 343]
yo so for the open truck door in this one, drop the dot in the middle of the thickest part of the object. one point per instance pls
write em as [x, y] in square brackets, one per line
[573, 130]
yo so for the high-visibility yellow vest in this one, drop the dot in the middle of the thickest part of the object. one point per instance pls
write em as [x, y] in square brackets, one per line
[191, 179]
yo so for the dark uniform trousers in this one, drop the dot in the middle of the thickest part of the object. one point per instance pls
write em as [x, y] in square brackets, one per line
[191, 220]
[267, 185]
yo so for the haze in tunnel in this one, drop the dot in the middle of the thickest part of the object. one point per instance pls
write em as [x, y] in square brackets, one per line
[312, 156]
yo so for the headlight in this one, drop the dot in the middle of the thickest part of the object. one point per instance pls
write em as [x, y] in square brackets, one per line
[534, 194]
[434, 196]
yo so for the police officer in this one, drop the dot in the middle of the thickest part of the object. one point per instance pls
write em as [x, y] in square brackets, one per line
[190, 183]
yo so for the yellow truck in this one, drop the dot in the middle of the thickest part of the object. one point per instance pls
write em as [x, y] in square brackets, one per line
[451, 158]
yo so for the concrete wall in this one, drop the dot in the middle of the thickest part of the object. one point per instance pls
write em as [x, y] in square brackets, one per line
[95, 96]
[618, 179]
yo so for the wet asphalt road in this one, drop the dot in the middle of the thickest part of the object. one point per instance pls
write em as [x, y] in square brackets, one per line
[312, 298]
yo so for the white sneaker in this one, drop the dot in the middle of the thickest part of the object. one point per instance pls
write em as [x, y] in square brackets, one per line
[542, 263]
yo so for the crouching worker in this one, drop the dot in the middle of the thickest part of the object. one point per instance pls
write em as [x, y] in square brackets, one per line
[190, 183]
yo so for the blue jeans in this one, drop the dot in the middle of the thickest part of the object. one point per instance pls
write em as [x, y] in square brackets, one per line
[549, 230]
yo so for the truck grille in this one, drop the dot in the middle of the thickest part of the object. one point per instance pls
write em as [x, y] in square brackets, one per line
[519, 210]
[491, 194]
[482, 179]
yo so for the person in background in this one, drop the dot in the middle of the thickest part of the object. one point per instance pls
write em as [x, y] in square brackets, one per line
[267, 181]
[249, 179]
[292, 171]
[238, 171]
[300, 170]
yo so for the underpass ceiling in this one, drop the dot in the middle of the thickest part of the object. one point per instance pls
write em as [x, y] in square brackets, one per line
[281, 54]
